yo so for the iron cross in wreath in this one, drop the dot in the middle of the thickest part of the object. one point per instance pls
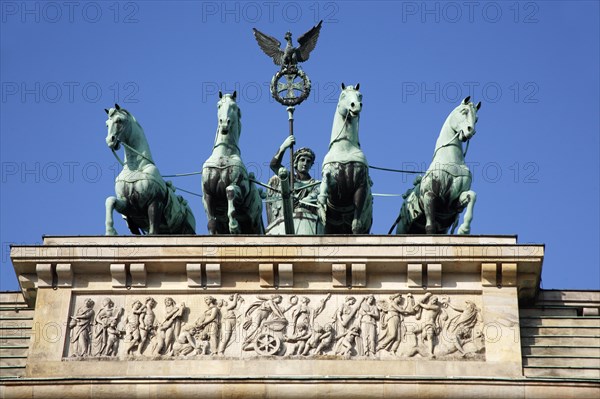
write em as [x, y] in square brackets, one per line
[296, 86]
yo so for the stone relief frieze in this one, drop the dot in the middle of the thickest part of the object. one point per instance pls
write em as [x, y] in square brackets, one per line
[325, 326]
[81, 329]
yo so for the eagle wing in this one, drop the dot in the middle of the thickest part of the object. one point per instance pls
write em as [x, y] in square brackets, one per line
[270, 46]
[308, 41]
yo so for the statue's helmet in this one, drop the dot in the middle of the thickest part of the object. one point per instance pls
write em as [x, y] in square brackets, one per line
[304, 151]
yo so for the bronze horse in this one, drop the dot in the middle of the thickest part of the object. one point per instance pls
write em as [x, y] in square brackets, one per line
[232, 203]
[148, 203]
[434, 204]
[345, 194]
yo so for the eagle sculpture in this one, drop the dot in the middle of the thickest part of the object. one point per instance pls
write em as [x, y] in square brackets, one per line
[290, 56]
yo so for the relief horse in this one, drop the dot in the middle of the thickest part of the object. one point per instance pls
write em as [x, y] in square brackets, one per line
[437, 199]
[148, 203]
[346, 202]
[232, 203]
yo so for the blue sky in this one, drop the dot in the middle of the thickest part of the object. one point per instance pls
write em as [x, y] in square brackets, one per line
[534, 65]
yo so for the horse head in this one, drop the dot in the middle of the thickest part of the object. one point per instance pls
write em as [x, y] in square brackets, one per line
[229, 114]
[119, 126]
[464, 118]
[350, 102]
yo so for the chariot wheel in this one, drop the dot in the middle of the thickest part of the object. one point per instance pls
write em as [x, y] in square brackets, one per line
[267, 344]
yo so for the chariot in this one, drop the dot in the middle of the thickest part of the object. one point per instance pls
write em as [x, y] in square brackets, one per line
[270, 340]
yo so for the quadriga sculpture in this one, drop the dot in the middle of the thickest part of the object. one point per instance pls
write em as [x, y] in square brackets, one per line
[232, 203]
[437, 199]
[345, 193]
[148, 203]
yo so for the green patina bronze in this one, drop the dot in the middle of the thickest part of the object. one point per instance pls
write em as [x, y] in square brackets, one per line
[231, 200]
[297, 84]
[345, 197]
[435, 202]
[304, 197]
[148, 203]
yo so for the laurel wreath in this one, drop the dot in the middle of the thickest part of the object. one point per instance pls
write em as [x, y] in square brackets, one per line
[290, 101]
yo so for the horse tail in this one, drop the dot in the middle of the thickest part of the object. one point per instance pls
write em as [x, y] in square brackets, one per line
[396, 222]
[254, 204]
[178, 215]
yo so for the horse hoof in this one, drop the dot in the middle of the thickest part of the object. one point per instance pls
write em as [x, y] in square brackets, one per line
[234, 227]
[230, 193]
[111, 232]
[322, 212]
[212, 226]
[357, 227]
[462, 230]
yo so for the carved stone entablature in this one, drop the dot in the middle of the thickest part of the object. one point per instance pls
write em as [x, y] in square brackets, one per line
[273, 325]
[246, 306]
[299, 262]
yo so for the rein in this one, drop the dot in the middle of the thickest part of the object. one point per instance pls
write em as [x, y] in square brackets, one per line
[147, 159]
[117, 156]
[230, 146]
[450, 143]
[337, 138]
[128, 147]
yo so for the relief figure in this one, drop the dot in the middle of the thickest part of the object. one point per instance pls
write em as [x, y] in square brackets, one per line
[209, 323]
[392, 326]
[228, 321]
[147, 324]
[81, 325]
[369, 315]
[103, 320]
[170, 328]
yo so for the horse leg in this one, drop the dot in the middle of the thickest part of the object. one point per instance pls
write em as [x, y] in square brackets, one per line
[360, 196]
[322, 197]
[210, 214]
[210, 183]
[233, 193]
[133, 228]
[154, 216]
[111, 204]
[429, 209]
[467, 198]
